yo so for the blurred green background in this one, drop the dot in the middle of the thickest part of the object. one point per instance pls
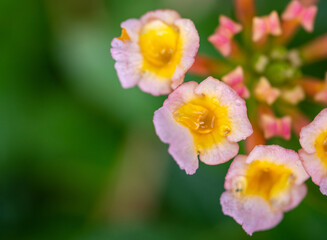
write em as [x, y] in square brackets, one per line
[79, 158]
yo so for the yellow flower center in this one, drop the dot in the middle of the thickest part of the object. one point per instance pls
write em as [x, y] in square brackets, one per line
[321, 147]
[266, 179]
[206, 119]
[160, 46]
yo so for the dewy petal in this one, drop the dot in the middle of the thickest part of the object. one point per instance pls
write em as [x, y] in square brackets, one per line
[297, 195]
[313, 155]
[199, 119]
[323, 186]
[126, 54]
[181, 145]
[219, 153]
[309, 133]
[155, 73]
[253, 213]
[314, 166]
[257, 198]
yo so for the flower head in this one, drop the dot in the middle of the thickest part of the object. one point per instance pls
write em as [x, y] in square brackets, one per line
[206, 119]
[262, 186]
[313, 139]
[155, 51]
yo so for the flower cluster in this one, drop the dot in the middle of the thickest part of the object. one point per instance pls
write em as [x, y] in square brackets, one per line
[206, 120]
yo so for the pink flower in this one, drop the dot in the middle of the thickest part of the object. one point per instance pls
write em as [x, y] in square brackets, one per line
[235, 79]
[262, 186]
[273, 126]
[265, 92]
[293, 95]
[155, 52]
[263, 26]
[304, 15]
[313, 139]
[222, 38]
[206, 119]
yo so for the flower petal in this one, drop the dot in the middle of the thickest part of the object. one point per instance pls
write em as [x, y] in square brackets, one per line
[253, 213]
[297, 195]
[127, 55]
[220, 153]
[323, 186]
[310, 132]
[180, 139]
[313, 165]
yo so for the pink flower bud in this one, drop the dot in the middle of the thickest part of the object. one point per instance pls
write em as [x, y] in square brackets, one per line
[273, 126]
[222, 38]
[235, 80]
[263, 26]
[304, 15]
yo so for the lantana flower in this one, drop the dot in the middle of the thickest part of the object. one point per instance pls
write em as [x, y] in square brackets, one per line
[206, 119]
[262, 186]
[155, 51]
[313, 139]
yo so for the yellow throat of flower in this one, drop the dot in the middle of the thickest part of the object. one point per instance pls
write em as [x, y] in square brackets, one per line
[124, 36]
[160, 46]
[268, 180]
[321, 147]
[206, 119]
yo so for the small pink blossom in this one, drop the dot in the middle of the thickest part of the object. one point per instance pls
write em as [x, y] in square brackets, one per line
[263, 26]
[293, 95]
[265, 92]
[222, 38]
[305, 15]
[273, 126]
[235, 79]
